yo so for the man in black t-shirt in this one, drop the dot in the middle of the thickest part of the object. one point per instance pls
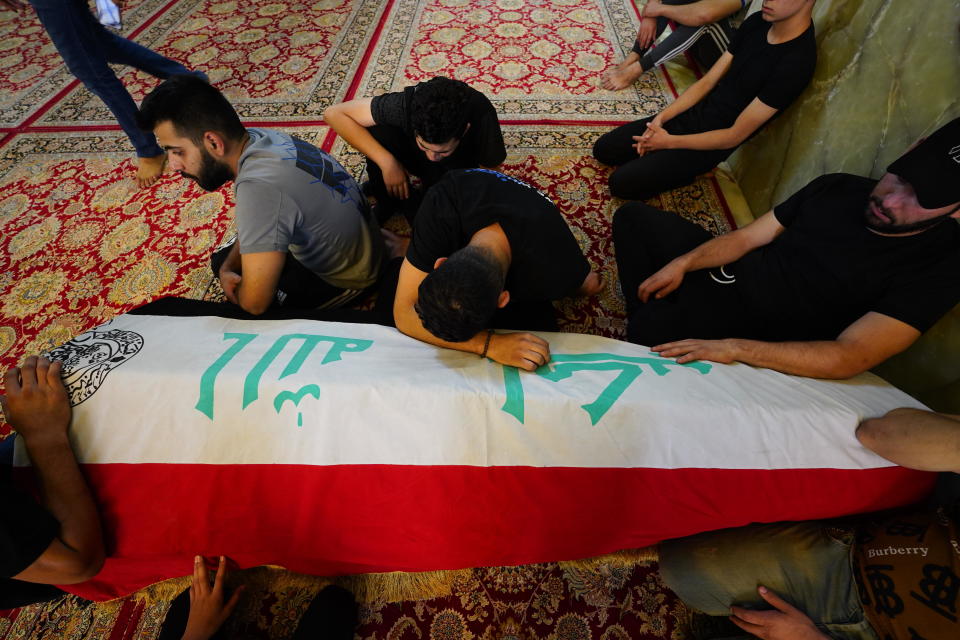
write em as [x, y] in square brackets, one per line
[423, 131]
[770, 61]
[488, 251]
[59, 542]
[846, 273]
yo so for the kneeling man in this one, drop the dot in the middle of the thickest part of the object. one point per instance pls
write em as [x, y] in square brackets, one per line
[305, 236]
[488, 251]
[846, 273]
[423, 131]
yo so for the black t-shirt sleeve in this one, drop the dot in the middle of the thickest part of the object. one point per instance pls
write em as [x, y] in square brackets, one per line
[26, 530]
[920, 303]
[489, 136]
[390, 109]
[790, 78]
[436, 230]
[788, 210]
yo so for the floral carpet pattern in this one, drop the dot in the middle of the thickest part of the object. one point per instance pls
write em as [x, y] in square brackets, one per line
[616, 597]
[79, 244]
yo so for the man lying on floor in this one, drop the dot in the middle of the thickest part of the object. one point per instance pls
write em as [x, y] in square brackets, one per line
[488, 251]
[58, 542]
[769, 63]
[894, 575]
[846, 273]
[305, 235]
[423, 131]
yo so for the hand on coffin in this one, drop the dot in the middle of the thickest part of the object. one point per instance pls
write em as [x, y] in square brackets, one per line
[522, 350]
[208, 611]
[783, 622]
[230, 282]
[663, 282]
[722, 351]
[37, 405]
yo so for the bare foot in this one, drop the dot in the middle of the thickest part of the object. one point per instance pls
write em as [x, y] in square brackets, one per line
[592, 285]
[623, 75]
[396, 245]
[150, 169]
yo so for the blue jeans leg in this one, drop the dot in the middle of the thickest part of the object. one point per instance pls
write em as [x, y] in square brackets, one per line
[87, 47]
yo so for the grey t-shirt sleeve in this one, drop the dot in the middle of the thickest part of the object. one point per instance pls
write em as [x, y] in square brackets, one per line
[265, 218]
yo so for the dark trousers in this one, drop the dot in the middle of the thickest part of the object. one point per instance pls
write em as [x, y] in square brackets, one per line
[298, 287]
[644, 240]
[88, 48]
[640, 177]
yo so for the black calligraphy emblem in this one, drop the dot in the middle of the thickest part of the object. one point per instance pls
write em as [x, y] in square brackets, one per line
[939, 587]
[887, 600]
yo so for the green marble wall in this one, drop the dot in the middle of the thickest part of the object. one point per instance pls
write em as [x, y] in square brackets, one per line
[888, 73]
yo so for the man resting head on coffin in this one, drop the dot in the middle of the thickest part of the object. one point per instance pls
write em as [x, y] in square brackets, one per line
[488, 251]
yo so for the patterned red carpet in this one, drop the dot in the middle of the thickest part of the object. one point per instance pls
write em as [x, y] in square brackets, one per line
[79, 243]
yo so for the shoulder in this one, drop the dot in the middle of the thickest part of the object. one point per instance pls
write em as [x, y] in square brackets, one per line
[479, 100]
[391, 108]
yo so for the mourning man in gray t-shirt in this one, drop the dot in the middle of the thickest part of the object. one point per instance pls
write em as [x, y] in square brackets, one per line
[306, 238]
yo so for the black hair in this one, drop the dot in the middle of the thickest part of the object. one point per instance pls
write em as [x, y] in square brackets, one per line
[458, 298]
[439, 110]
[193, 106]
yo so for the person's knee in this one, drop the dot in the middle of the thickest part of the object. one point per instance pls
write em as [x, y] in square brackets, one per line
[603, 151]
[628, 185]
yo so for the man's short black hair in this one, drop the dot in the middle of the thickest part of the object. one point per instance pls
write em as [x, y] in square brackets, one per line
[458, 298]
[193, 106]
[439, 110]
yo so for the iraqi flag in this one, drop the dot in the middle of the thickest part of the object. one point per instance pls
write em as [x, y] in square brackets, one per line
[335, 448]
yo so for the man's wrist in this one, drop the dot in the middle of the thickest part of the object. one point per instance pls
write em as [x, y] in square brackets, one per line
[49, 440]
[737, 348]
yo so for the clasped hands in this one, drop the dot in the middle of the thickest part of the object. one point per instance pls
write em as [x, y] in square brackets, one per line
[655, 138]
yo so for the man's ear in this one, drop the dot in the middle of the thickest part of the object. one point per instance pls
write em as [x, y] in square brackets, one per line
[440, 261]
[214, 143]
[504, 299]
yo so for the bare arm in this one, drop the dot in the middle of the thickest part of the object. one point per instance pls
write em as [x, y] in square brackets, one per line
[864, 344]
[699, 89]
[713, 253]
[915, 439]
[350, 120]
[695, 14]
[750, 119]
[256, 289]
[38, 408]
[523, 350]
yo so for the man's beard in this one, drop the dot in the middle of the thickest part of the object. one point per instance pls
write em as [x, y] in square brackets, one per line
[212, 175]
[891, 227]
